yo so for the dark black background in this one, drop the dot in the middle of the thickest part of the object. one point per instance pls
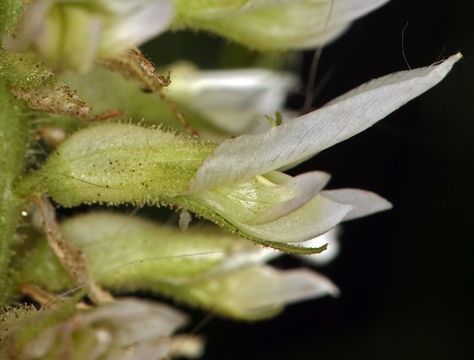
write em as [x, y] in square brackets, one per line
[404, 275]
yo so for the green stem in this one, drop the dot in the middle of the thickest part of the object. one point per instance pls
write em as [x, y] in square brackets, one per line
[13, 143]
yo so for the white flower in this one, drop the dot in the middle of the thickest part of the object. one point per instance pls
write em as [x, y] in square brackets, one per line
[72, 34]
[231, 178]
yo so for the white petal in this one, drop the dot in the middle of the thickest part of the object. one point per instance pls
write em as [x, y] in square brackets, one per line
[191, 347]
[304, 187]
[138, 26]
[269, 287]
[345, 11]
[255, 255]
[249, 155]
[137, 320]
[157, 350]
[312, 219]
[231, 99]
[364, 202]
[259, 291]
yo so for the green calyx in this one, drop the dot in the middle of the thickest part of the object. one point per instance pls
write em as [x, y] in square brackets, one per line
[119, 163]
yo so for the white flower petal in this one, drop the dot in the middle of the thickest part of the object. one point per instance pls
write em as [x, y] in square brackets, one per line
[139, 25]
[317, 216]
[191, 347]
[270, 287]
[137, 320]
[349, 10]
[258, 291]
[249, 155]
[255, 255]
[304, 187]
[364, 202]
[230, 99]
[141, 351]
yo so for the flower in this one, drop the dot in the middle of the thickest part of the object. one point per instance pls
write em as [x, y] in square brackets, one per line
[72, 34]
[241, 169]
[202, 266]
[124, 329]
[274, 24]
[236, 184]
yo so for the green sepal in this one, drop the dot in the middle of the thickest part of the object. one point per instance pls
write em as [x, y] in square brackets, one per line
[119, 163]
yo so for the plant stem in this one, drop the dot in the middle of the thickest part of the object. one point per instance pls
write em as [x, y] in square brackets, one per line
[13, 144]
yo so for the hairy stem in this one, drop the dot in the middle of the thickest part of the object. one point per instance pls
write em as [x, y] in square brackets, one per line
[13, 143]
